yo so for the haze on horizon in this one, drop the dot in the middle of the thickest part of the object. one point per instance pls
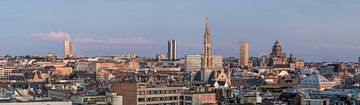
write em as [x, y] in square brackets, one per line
[323, 30]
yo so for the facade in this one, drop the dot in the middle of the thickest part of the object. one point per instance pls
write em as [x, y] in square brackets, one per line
[90, 99]
[148, 94]
[172, 49]
[44, 64]
[145, 94]
[199, 99]
[5, 72]
[328, 70]
[217, 62]
[193, 62]
[299, 63]
[159, 95]
[133, 64]
[40, 103]
[206, 57]
[127, 90]
[82, 66]
[324, 101]
[59, 94]
[168, 70]
[96, 66]
[63, 70]
[244, 53]
[68, 46]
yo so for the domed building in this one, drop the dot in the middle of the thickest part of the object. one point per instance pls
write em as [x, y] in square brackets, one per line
[279, 61]
[277, 50]
[315, 82]
[277, 57]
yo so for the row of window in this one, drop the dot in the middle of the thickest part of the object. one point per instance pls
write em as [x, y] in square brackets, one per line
[187, 98]
[93, 100]
[165, 104]
[157, 92]
[158, 99]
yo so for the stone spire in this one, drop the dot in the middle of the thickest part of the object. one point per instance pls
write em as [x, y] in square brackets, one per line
[206, 57]
[228, 81]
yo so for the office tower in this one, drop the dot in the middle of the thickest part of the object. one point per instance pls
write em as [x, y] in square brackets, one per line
[67, 46]
[206, 57]
[172, 49]
[244, 53]
[359, 60]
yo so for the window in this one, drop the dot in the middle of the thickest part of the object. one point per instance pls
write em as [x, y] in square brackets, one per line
[308, 103]
[182, 97]
[141, 99]
[141, 92]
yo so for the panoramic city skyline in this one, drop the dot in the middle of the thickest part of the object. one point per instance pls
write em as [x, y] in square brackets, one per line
[313, 30]
[164, 52]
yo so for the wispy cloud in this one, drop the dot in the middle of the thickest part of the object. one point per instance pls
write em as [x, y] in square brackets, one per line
[114, 40]
[327, 45]
[51, 35]
[350, 46]
[58, 36]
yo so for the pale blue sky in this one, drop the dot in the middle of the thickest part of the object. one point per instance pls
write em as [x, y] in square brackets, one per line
[310, 29]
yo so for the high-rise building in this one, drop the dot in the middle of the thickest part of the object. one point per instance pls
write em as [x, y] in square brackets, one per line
[206, 57]
[193, 62]
[172, 49]
[359, 60]
[244, 54]
[67, 46]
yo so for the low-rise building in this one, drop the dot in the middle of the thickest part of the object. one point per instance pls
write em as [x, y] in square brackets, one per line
[313, 101]
[64, 70]
[198, 99]
[90, 99]
[5, 72]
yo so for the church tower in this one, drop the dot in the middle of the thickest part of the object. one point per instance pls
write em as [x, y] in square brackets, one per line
[206, 56]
